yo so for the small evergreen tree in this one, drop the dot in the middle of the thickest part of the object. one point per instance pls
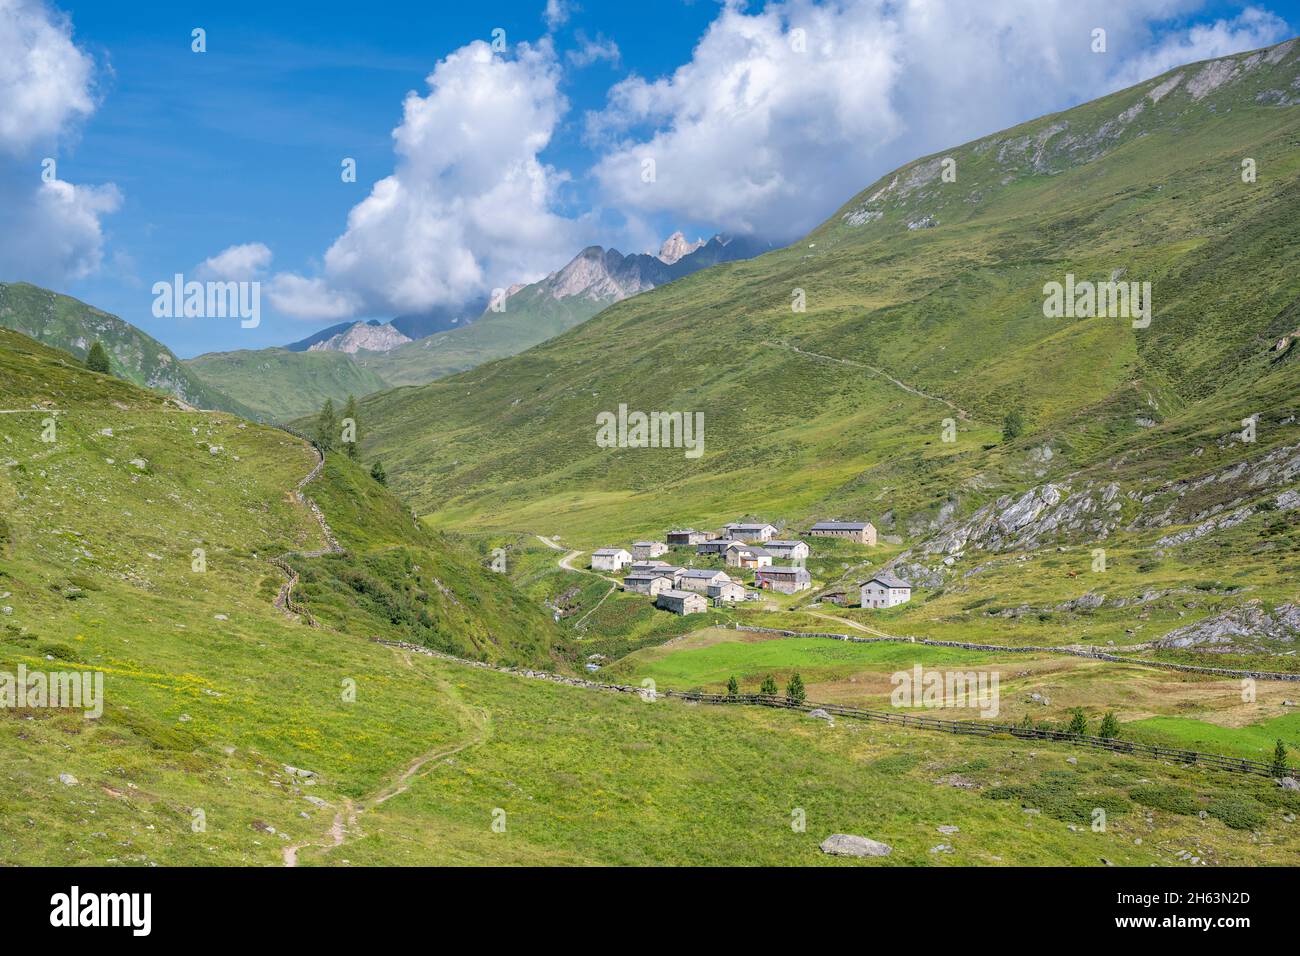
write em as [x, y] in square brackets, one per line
[1013, 425]
[377, 473]
[1280, 768]
[794, 690]
[1078, 723]
[97, 359]
[350, 412]
[1027, 723]
[327, 425]
[1109, 726]
[769, 686]
[733, 688]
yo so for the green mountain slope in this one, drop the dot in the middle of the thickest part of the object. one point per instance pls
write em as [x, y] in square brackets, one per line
[925, 307]
[74, 326]
[278, 385]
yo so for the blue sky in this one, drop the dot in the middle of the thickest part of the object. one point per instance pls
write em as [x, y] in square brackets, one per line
[505, 162]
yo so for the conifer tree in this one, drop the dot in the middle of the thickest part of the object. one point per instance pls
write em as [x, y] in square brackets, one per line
[97, 359]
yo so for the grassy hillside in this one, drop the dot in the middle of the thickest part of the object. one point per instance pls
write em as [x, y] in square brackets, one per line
[74, 326]
[924, 308]
[279, 385]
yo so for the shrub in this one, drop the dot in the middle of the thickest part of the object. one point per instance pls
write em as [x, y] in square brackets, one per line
[1109, 726]
[733, 687]
[1236, 812]
[1165, 797]
[794, 690]
[769, 686]
[1013, 425]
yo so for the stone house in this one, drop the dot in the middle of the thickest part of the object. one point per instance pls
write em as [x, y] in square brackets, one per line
[682, 536]
[863, 532]
[648, 549]
[750, 532]
[699, 579]
[714, 546]
[786, 580]
[788, 550]
[727, 592]
[681, 602]
[648, 582]
[885, 590]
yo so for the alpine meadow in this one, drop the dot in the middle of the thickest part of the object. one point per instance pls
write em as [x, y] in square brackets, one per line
[954, 526]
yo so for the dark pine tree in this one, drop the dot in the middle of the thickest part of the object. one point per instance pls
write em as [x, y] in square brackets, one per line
[97, 359]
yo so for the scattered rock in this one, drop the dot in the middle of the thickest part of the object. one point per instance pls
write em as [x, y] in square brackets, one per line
[846, 844]
[68, 779]
[948, 829]
[1289, 783]
[298, 772]
[819, 714]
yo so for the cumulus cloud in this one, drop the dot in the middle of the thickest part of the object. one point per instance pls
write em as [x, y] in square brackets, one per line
[50, 229]
[469, 207]
[310, 298]
[236, 263]
[782, 113]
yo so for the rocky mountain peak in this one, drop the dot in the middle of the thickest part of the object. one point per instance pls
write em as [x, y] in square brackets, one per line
[676, 246]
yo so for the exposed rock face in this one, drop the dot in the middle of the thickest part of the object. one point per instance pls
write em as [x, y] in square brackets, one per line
[362, 335]
[846, 844]
[676, 246]
[1042, 513]
[1247, 627]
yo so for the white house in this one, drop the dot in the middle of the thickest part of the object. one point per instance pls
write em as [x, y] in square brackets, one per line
[610, 559]
[885, 590]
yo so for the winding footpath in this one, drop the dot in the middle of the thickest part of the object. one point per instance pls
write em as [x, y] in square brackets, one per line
[961, 412]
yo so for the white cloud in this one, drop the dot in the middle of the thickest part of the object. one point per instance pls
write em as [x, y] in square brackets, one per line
[589, 51]
[468, 207]
[236, 263]
[45, 79]
[557, 13]
[754, 135]
[50, 229]
[301, 298]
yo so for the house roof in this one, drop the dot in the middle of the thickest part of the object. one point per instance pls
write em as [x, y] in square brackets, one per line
[609, 552]
[642, 544]
[678, 594]
[647, 576]
[684, 531]
[783, 544]
[751, 548]
[780, 569]
[888, 580]
[705, 573]
[841, 525]
[728, 584]
[749, 527]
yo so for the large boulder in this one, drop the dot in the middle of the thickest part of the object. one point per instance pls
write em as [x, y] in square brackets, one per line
[846, 844]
